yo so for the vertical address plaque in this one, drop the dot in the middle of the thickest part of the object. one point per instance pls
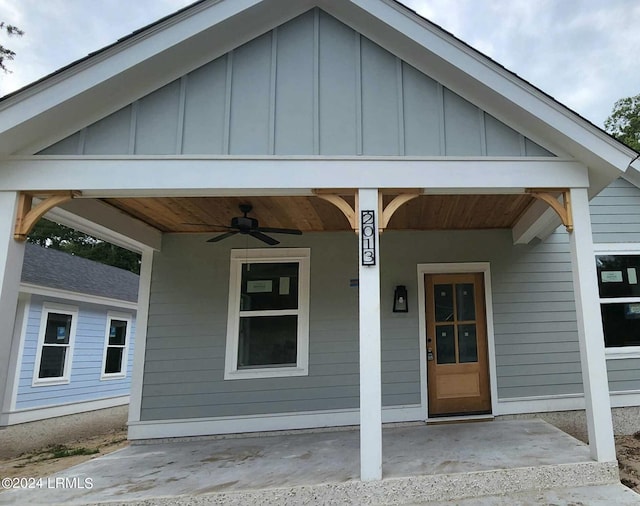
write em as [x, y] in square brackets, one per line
[368, 237]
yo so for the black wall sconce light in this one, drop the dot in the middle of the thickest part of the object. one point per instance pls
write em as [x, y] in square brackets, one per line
[400, 300]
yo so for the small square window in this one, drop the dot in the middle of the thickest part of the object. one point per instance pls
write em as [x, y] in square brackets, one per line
[268, 329]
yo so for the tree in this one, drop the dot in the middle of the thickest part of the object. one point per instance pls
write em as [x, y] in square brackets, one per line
[624, 122]
[53, 235]
[7, 54]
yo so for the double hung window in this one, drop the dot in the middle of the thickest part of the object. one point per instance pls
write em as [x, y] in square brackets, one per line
[619, 288]
[114, 362]
[268, 329]
[55, 344]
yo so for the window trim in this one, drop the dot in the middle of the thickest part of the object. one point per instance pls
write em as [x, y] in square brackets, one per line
[618, 352]
[111, 315]
[48, 308]
[278, 255]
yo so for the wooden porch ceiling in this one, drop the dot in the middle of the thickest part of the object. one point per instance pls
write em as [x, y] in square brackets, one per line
[312, 214]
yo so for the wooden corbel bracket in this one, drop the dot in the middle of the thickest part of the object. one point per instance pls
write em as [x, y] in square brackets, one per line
[562, 209]
[346, 209]
[385, 213]
[28, 214]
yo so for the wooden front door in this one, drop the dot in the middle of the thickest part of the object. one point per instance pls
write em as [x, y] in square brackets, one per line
[457, 364]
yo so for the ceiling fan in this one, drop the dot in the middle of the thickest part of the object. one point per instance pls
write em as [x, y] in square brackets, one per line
[250, 226]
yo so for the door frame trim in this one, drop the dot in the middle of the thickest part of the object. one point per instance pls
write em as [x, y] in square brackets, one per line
[456, 268]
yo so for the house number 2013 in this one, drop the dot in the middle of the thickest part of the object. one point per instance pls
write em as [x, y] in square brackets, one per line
[368, 237]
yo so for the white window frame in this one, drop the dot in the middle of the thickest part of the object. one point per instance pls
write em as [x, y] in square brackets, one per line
[278, 255]
[125, 353]
[618, 352]
[47, 308]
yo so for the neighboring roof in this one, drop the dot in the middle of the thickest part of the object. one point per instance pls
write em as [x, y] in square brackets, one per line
[55, 269]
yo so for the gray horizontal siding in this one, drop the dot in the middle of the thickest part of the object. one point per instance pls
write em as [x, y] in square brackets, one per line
[624, 374]
[185, 354]
[312, 86]
[615, 213]
[536, 342]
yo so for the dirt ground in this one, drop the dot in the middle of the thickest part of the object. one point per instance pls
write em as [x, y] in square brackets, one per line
[49, 461]
[628, 450]
[53, 459]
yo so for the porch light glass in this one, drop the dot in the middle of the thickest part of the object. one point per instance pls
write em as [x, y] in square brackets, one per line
[400, 300]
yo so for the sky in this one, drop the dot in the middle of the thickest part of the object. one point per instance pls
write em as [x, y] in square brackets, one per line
[584, 53]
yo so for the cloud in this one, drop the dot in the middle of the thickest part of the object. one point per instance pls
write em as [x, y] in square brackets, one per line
[581, 52]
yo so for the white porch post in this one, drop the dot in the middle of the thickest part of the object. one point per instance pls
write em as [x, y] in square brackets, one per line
[142, 318]
[11, 258]
[592, 357]
[370, 358]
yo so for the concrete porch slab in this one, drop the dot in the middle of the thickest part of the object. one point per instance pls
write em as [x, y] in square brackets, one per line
[420, 464]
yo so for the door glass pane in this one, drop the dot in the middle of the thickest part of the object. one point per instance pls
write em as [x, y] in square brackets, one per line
[467, 343]
[465, 303]
[269, 286]
[445, 346]
[268, 340]
[443, 297]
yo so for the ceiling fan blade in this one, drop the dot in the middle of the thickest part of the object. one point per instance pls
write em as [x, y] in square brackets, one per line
[214, 225]
[264, 238]
[272, 230]
[222, 236]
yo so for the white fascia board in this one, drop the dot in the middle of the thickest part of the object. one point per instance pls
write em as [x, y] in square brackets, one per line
[149, 176]
[479, 80]
[107, 223]
[57, 293]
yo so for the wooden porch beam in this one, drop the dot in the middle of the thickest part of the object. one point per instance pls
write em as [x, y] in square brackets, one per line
[563, 210]
[28, 214]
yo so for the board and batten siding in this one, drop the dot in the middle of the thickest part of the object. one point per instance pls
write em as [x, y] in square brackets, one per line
[312, 86]
[86, 365]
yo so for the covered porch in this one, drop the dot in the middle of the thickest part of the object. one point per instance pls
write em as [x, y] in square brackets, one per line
[423, 463]
[469, 196]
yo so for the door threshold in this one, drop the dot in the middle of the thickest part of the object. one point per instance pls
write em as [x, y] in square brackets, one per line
[459, 419]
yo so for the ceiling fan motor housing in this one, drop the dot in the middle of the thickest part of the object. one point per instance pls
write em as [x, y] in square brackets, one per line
[244, 224]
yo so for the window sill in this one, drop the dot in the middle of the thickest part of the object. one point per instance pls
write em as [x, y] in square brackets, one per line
[50, 382]
[107, 377]
[278, 372]
[622, 352]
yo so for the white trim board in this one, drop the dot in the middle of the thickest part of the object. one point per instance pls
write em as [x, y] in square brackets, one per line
[34, 414]
[455, 268]
[260, 423]
[566, 402]
[75, 296]
[110, 176]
